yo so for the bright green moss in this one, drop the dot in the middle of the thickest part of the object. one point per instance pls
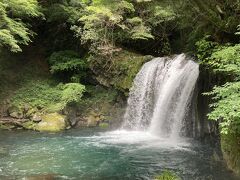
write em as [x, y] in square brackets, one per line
[104, 125]
[30, 125]
[167, 175]
[46, 95]
[53, 122]
[120, 70]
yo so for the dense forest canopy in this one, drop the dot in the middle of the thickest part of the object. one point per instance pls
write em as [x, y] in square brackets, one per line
[87, 28]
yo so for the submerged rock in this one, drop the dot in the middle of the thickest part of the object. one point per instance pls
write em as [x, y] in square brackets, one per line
[3, 152]
[53, 122]
[41, 177]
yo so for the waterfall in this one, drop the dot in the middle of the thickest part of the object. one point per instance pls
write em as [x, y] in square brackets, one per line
[161, 95]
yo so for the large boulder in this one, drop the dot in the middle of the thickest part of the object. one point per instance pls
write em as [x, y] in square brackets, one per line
[93, 119]
[37, 117]
[53, 122]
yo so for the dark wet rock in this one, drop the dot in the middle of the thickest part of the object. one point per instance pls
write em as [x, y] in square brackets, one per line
[81, 123]
[74, 121]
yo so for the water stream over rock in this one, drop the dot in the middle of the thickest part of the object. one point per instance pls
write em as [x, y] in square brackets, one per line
[161, 95]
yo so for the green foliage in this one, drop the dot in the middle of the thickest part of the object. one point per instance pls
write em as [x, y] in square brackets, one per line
[167, 175]
[47, 96]
[197, 19]
[72, 93]
[98, 95]
[67, 11]
[226, 107]
[156, 13]
[13, 31]
[138, 30]
[224, 59]
[102, 25]
[205, 49]
[221, 58]
[106, 23]
[227, 59]
[68, 62]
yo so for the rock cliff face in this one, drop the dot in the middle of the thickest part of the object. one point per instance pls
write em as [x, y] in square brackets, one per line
[119, 70]
[230, 144]
[203, 126]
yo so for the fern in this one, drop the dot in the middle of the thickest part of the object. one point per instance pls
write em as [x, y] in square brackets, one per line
[13, 31]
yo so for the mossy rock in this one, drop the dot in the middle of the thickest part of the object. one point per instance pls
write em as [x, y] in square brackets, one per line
[7, 126]
[3, 152]
[230, 145]
[104, 125]
[53, 122]
[119, 71]
[30, 125]
[15, 112]
[37, 117]
[92, 118]
[31, 112]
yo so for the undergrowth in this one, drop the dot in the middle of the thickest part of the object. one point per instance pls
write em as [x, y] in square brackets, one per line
[47, 95]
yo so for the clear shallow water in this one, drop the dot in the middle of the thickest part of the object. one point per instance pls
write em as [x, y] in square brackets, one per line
[88, 154]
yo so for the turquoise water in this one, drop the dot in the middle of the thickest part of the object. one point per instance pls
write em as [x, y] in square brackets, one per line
[91, 154]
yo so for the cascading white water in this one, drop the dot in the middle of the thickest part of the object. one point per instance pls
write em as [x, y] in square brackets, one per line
[161, 95]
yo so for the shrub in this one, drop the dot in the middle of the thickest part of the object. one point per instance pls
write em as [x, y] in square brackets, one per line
[47, 95]
[69, 64]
